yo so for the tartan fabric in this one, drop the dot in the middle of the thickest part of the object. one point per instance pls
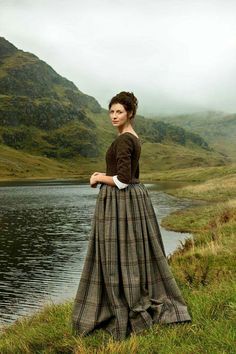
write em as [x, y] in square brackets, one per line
[126, 283]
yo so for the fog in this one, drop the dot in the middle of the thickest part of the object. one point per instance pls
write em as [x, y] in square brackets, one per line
[176, 56]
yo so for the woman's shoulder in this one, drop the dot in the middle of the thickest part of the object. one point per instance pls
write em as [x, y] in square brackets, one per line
[127, 136]
[127, 142]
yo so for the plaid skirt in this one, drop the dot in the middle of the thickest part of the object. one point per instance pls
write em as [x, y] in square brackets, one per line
[126, 283]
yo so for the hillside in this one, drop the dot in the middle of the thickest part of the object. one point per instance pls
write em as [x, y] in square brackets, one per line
[217, 128]
[44, 115]
[36, 103]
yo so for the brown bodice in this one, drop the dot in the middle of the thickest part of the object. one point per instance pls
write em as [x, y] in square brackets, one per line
[122, 158]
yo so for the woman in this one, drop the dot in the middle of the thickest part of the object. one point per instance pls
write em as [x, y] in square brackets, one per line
[126, 283]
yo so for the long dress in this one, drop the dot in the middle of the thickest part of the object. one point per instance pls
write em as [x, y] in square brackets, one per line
[126, 284]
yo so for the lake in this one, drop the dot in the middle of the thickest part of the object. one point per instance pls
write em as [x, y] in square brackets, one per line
[44, 231]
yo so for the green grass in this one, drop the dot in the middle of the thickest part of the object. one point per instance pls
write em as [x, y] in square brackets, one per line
[16, 165]
[214, 189]
[212, 330]
[204, 268]
[190, 174]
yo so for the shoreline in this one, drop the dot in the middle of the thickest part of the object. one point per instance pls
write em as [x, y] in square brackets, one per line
[85, 178]
[187, 175]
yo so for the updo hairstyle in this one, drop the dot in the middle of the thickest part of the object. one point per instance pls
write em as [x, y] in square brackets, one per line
[128, 100]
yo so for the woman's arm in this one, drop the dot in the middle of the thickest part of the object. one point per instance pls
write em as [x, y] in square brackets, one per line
[105, 179]
[98, 177]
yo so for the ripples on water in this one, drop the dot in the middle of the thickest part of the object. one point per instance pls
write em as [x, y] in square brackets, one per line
[44, 231]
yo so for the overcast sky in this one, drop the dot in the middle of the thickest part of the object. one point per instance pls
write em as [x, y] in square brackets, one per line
[176, 56]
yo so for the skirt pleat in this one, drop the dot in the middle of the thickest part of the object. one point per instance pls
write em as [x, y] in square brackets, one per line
[126, 284]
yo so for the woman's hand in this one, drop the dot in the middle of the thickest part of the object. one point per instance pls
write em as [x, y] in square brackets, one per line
[94, 180]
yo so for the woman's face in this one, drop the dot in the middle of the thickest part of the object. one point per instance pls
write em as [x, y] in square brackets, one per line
[119, 116]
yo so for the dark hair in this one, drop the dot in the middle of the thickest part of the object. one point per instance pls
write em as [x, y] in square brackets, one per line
[128, 100]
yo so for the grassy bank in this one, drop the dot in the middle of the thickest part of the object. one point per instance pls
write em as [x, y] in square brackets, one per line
[192, 174]
[214, 189]
[205, 271]
[18, 165]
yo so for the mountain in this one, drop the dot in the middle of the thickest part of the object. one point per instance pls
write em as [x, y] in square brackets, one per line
[217, 128]
[39, 108]
[46, 115]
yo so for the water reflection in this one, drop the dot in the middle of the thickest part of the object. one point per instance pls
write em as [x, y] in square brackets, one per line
[44, 230]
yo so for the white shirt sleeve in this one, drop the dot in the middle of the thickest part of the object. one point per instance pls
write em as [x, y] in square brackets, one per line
[119, 184]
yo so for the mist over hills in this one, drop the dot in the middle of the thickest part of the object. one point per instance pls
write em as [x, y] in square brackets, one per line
[217, 128]
[43, 113]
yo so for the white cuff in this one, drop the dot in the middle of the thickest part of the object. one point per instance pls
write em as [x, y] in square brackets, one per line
[119, 184]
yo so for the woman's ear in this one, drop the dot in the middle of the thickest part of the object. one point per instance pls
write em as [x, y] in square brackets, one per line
[130, 114]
